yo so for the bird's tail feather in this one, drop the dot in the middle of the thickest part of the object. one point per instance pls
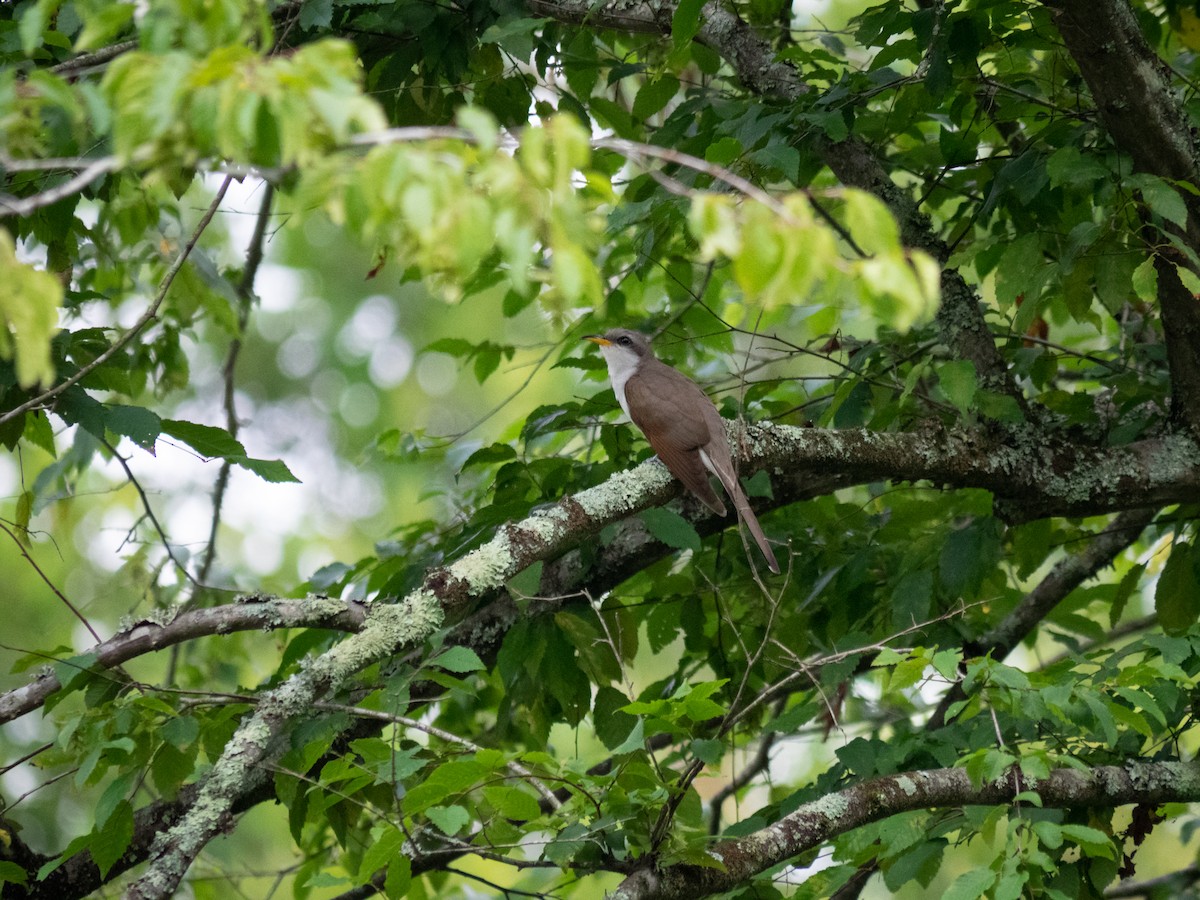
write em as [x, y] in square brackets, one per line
[746, 514]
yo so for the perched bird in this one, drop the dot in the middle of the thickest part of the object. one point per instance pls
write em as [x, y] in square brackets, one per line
[680, 422]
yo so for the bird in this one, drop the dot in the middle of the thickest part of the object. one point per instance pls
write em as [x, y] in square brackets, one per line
[680, 422]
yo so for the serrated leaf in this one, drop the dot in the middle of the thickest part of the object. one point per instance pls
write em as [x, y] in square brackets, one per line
[274, 471]
[1145, 281]
[450, 819]
[671, 528]
[458, 659]
[112, 840]
[959, 383]
[1092, 841]
[207, 440]
[708, 751]
[1162, 198]
[1177, 594]
[139, 425]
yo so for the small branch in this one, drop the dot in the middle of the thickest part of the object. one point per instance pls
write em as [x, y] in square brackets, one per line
[1067, 575]
[13, 206]
[254, 256]
[756, 766]
[513, 766]
[1173, 884]
[146, 637]
[95, 58]
[145, 319]
[162, 535]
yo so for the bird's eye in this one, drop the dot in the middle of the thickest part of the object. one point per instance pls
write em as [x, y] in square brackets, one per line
[623, 340]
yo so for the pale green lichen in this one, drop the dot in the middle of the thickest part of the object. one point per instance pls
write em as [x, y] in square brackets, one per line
[907, 785]
[489, 566]
[388, 628]
[832, 806]
[325, 607]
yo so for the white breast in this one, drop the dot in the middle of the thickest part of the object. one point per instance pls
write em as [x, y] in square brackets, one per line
[621, 366]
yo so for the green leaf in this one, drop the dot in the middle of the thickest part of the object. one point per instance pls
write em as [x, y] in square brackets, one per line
[671, 528]
[29, 302]
[911, 599]
[399, 877]
[450, 819]
[315, 14]
[112, 840]
[870, 223]
[1145, 281]
[1162, 198]
[686, 22]
[512, 803]
[207, 440]
[656, 94]
[11, 873]
[958, 382]
[1091, 841]
[527, 582]
[139, 425]
[612, 725]
[458, 659]
[274, 471]
[386, 845]
[1177, 595]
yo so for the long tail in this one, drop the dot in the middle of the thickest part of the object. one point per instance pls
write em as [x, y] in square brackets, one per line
[746, 514]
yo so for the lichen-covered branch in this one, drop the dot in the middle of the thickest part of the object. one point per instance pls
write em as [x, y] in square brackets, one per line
[145, 637]
[816, 822]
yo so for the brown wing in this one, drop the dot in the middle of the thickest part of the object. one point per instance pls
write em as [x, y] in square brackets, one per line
[671, 411]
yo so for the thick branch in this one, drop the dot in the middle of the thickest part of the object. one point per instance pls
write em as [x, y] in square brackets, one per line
[816, 822]
[1130, 85]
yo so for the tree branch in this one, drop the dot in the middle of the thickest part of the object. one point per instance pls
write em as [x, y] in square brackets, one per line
[146, 637]
[818, 821]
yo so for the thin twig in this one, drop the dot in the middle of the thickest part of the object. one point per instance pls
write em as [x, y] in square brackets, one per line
[59, 594]
[12, 206]
[149, 512]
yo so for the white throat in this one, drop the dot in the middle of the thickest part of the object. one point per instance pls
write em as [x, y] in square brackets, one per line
[621, 366]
